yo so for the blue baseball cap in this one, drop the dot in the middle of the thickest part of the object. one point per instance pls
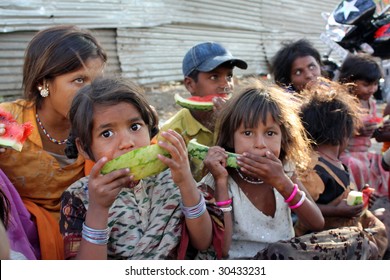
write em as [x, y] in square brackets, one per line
[207, 56]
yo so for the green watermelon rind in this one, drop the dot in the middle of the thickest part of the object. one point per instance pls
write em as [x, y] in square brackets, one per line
[142, 162]
[11, 143]
[193, 105]
[199, 151]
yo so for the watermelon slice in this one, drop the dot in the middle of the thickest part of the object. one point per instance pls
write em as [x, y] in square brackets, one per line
[15, 133]
[199, 152]
[200, 103]
[354, 198]
[142, 162]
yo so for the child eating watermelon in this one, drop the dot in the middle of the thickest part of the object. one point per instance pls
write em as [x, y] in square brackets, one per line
[114, 215]
[208, 70]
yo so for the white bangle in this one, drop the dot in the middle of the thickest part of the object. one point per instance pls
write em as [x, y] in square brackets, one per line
[226, 209]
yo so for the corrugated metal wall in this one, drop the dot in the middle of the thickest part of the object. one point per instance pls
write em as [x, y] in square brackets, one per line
[12, 47]
[148, 39]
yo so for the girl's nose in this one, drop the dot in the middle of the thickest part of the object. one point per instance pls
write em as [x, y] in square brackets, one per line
[126, 143]
[260, 143]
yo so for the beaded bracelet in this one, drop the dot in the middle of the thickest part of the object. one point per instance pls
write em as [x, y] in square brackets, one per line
[223, 203]
[95, 236]
[196, 211]
[226, 209]
[300, 202]
[292, 195]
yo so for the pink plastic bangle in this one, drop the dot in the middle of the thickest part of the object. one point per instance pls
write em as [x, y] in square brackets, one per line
[300, 202]
[223, 203]
[292, 195]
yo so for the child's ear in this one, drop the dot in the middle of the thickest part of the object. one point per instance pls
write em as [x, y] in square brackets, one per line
[81, 150]
[189, 83]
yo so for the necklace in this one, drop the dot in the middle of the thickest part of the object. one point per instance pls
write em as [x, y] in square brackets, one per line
[248, 180]
[62, 142]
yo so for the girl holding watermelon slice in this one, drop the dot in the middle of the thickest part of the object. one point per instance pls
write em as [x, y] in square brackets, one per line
[58, 61]
[364, 165]
[261, 125]
[114, 216]
[330, 116]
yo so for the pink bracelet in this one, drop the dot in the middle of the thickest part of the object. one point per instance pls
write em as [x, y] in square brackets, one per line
[223, 203]
[292, 195]
[300, 202]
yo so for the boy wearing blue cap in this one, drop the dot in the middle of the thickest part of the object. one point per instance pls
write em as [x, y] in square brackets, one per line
[208, 70]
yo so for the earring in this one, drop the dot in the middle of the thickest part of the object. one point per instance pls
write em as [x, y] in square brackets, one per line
[44, 91]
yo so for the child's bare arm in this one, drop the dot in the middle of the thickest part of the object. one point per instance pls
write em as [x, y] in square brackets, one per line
[199, 228]
[215, 162]
[102, 190]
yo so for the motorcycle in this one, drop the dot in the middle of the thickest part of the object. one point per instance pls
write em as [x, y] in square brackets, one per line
[357, 26]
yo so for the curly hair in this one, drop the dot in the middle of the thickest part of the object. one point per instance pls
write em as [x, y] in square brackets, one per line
[329, 113]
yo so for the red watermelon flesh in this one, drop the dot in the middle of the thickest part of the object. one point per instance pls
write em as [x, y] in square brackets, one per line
[15, 133]
[366, 195]
[207, 98]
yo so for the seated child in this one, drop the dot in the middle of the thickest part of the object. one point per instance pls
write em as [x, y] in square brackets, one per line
[113, 216]
[365, 166]
[261, 124]
[207, 69]
[330, 116]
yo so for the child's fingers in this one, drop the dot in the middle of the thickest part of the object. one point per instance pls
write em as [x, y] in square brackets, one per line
[95, 171]
[218, 103]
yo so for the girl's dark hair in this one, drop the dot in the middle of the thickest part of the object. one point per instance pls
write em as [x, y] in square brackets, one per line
[360, 67]
[251, 104]
[4, 208]
[106, 92]
[284, 58]
[56, 51]
[329, 113]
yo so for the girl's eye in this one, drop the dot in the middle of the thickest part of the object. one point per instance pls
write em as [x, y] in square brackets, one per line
[247, 133]
[79, 80]
[312, 67]
[107, 133]
[214, 77]
[135, 127]
[298, 72]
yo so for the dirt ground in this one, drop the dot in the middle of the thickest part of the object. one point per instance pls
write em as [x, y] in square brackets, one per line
[162, 98]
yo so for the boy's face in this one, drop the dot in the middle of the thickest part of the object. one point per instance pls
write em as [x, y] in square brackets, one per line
[217, 81]
[364, 90]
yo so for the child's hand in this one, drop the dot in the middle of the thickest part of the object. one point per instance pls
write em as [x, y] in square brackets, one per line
[345, 210]
[268, 168]
[178, 163]
[103, 189]
[368, 129]
[215, 162]
[385, 126]
[219, 103]
[2, 131]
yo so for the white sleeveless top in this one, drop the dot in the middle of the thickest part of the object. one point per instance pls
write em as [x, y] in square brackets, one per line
[252, 229]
